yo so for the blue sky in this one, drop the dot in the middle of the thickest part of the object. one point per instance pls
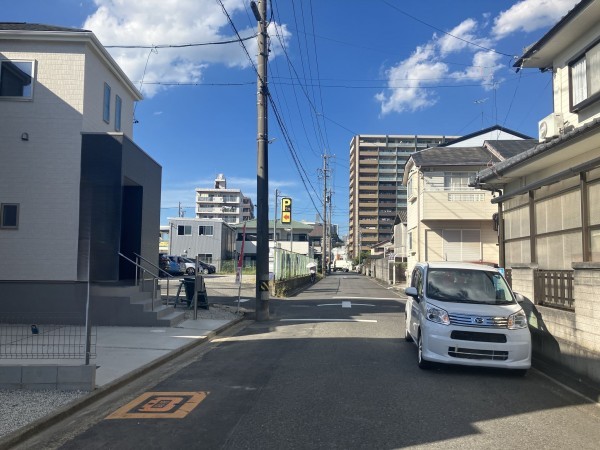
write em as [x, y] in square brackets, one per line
[337, 68]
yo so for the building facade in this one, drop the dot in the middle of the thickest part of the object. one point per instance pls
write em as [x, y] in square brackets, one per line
[448, 220]
[549, 207]
[376, 191]
[219, 202]
[212, 240]
[75, 191]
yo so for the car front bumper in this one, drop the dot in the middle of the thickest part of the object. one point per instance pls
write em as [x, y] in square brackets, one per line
[440, 344]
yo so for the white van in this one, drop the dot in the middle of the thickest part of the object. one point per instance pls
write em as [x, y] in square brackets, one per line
[461, 313]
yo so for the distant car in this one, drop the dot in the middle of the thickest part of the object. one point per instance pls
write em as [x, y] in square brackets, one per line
[168, 265]
[188, 265]
[460, 313]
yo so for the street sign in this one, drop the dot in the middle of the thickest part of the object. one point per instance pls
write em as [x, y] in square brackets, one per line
[286, 210]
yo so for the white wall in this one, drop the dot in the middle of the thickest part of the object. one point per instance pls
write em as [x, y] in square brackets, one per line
[42, 174]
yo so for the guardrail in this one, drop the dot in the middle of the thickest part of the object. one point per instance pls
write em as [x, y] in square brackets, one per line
[46, 336]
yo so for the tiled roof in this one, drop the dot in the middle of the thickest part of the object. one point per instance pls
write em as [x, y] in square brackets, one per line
[24, 26]
[453, 156]
[538, 151]
[509, 148]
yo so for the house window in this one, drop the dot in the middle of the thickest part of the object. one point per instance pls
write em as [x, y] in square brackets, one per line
[117, 113]
[16, 79]
[106, 110]
[409, 188]
[184, 230]
[205, 257]
[585, 78]
[205, 230]
[9, 215]
[409, 241]
[457, 181]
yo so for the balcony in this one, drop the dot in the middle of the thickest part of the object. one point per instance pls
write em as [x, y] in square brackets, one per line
[469, 204]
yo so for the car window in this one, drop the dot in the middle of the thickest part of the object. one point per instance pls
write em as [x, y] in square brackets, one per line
[417, 280]
[468, 286]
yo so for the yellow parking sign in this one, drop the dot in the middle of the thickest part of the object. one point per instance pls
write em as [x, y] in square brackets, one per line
[286, 210]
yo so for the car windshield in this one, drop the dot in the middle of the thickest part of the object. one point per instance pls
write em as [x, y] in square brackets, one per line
[468, 286]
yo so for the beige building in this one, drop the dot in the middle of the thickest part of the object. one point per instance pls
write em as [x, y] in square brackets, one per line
[219, 202]
[550, 203]
[446, 219]
[376, 191]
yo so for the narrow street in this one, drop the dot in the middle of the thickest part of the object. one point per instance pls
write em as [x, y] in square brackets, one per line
[331, 369]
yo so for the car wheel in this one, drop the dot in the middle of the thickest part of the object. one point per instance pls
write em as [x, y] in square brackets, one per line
[190, 271]
[204, 271]
[423, 363]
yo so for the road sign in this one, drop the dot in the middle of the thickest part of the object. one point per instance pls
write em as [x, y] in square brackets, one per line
[286, 210]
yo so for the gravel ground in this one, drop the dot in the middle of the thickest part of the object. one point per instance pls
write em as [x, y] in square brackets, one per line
[20, 407]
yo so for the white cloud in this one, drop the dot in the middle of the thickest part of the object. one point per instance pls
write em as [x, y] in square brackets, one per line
[530, 15]
[484, 66]
[457, 39]
[406, 82]
[155, 22]
[427, 62]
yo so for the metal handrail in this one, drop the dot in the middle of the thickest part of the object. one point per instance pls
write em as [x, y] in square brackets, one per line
[167, 274]
[144, 270]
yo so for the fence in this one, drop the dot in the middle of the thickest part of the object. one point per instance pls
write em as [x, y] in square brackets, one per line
[287, 264]
[554, 288]
[45, 336]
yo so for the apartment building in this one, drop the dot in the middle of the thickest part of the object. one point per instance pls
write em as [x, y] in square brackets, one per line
[376, 191]
[219, 202]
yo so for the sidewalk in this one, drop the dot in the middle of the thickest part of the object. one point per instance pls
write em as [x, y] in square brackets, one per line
[122, 354]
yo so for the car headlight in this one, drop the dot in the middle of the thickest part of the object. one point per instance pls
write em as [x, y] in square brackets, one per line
[517, 320]
[437, 315]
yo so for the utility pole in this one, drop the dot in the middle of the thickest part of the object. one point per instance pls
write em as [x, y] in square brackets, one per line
[262, 172]
[275, 221]
[325, 175]
[330, 221]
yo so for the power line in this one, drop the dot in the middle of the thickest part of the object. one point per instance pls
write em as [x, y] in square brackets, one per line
[445, 32]
[200, 44]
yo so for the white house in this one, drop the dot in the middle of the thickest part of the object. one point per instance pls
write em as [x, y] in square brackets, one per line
[74, 188]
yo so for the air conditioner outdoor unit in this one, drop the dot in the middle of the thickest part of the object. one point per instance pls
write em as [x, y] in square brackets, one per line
[550, 127]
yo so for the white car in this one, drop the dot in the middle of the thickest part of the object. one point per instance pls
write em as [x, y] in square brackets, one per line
[460, 313]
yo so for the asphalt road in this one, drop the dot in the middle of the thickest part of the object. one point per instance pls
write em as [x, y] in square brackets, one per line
[330, 370]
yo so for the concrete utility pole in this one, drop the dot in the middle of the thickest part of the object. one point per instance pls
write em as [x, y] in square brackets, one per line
[324, 248]
[262, 173]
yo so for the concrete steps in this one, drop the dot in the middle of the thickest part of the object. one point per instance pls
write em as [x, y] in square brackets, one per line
[119, 304]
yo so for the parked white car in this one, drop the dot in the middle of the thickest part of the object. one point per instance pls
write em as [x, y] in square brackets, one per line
[460, 313]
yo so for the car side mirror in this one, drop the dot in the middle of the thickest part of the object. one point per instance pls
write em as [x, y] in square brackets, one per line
[520, 297]
[412, 292]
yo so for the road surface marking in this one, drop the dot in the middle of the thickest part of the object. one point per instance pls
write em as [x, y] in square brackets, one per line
[329, 320]
[364, 298]
[346, 304]
[160, 405]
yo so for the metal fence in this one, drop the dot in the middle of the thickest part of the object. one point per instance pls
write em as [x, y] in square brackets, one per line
[554, 288]
[45, 336]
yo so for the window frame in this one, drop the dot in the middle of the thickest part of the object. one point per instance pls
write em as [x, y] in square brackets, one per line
[590, 98]
[200, 233]
[32, 75]
[184, 228]
[3, 213]
[106, 103]
[118, 108]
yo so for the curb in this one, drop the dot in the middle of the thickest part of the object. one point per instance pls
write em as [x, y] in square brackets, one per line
[43, 423]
